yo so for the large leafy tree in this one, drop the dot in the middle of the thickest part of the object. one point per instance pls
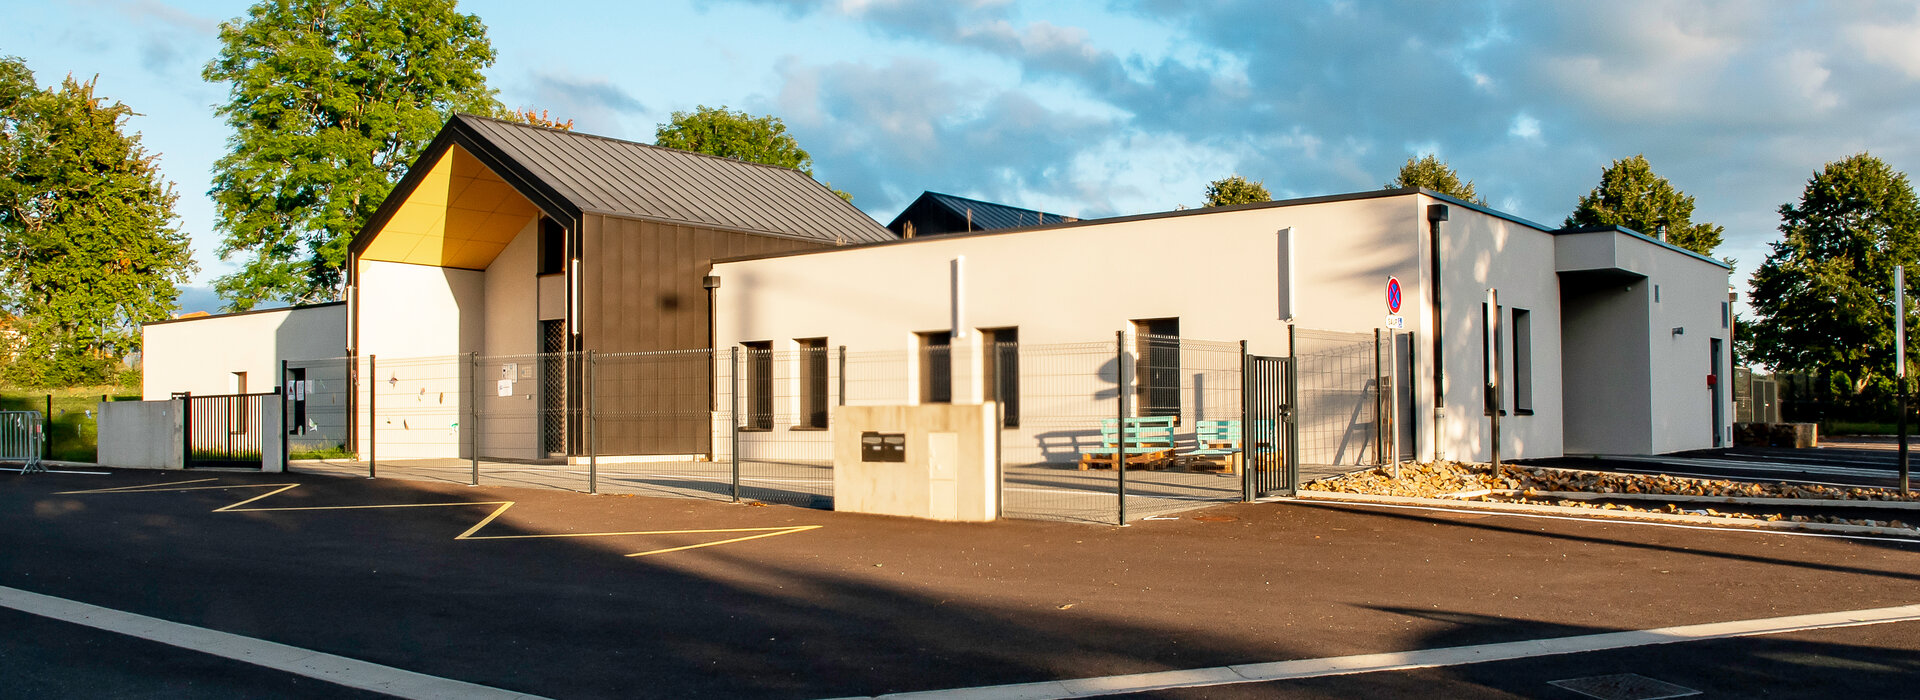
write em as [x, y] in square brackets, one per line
[1234, 189]
[1432, 173]
[1631, 195]
[718, 131]
[89, 244]
[1821, 299]
[329, 101]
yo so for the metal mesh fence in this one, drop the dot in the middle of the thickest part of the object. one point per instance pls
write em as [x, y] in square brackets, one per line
[755, 422]
[319, 410]
[1338, 378]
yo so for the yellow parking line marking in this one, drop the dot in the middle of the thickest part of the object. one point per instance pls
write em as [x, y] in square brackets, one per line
[472, 533]
[152, 486]
[782, 531]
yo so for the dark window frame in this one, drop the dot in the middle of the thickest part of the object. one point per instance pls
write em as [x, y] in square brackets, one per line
[1000, 380]
[936, 366]
[1521, 324]
[550, 256]
[1156, 365]
[813, 384]
[758, 385]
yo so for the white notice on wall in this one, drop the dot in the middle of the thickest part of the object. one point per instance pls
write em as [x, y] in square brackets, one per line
[508, 370]
[504, 388]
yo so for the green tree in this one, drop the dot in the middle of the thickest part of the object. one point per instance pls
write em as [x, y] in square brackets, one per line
[1432, 173]
[89, 244]
[1234, 189]
[1631, 195]
[1822, 298]
[737, 135]
[330, 101]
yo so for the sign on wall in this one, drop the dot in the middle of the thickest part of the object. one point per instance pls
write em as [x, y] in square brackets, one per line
[1393, 304]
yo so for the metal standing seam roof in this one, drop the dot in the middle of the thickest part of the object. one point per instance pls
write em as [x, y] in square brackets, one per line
[992, 215]
[610, 176]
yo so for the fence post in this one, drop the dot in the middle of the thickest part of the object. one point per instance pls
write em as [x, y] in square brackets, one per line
[373, 417]
[843, 375]
[593, 423]
[1246, 425]
[473, 418]
[186, 428]
[286, 399]
[1290, 415]
[733, 419]
[1120, 425]
[1379, 415]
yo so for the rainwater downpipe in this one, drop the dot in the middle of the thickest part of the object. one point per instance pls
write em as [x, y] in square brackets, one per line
[1437, 213]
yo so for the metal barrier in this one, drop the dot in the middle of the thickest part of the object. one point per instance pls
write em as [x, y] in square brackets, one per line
[23, 438]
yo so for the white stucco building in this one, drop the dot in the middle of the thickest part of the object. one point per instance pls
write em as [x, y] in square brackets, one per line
[1610, 339]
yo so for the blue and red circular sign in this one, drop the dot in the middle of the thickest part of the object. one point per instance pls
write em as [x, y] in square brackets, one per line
[1393, 295]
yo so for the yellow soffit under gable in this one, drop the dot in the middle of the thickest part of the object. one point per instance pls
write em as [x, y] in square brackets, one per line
[461, 215]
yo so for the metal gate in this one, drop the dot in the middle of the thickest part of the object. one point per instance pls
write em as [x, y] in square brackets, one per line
[1271, 394]
[553, 388]
[224, 430]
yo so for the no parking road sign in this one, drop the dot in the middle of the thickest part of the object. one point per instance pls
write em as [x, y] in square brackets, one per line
[1393, 303]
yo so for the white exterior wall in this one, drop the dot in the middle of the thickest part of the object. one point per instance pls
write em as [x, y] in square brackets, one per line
[1218, 272]
[200, 355]
[1482, 251]
[510, 425]
[416, 321]
[1691, 294]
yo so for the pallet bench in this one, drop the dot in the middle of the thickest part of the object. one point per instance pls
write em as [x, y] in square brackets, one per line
[1149, 443]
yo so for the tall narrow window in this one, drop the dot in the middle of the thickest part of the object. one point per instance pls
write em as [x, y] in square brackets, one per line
[1522, 362]
[759, 385]
[1002, 365]
[936, 367]
[1489, 358]
[1156, 371]
[552, 252]
[813, 382]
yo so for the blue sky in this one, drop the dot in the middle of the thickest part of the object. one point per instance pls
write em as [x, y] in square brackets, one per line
[1127, 106]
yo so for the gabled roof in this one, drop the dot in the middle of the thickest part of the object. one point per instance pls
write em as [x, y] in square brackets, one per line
[983, 216]
[567, 174]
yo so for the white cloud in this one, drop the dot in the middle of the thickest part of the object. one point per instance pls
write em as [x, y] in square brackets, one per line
[1525, 128]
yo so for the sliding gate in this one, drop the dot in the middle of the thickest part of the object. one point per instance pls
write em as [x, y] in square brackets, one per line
[1271, 395]
[225, 430]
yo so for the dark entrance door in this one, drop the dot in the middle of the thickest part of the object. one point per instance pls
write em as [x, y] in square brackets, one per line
[1713, 387]
[1271, 439]
[553, 388]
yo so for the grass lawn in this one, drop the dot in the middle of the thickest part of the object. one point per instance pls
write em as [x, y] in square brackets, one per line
[73, 421]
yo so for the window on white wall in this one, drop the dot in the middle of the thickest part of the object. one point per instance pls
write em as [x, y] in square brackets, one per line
[1156, 367]
[813, 382]
[1002, 370]
[936, 367]
[1522, 362]
[759, 385]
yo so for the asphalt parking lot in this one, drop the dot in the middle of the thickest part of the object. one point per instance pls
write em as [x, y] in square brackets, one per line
[527, 590]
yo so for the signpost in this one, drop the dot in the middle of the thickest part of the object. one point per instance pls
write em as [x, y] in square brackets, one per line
[1900, 361]
[1393, 304]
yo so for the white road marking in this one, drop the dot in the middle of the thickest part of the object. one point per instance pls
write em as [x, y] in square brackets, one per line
[1424, 658]
[338, 670]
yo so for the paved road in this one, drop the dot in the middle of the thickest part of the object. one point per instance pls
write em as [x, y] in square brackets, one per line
[521, 590]
[1844, 462]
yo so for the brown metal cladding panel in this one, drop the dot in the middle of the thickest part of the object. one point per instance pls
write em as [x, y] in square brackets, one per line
[643, 281]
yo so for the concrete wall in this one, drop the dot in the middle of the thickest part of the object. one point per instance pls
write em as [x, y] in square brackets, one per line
[1607, 376]
[141, 435]
[201, 355]
[421, 320]
[1691, 294]
[948, 473]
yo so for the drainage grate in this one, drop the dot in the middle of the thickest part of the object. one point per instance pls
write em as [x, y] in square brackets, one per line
[1624, 686]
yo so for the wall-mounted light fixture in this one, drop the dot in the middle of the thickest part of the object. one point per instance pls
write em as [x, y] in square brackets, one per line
[1679, 330]
[710, 282]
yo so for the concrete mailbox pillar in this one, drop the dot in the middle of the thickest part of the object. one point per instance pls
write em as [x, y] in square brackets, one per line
[932, 461]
